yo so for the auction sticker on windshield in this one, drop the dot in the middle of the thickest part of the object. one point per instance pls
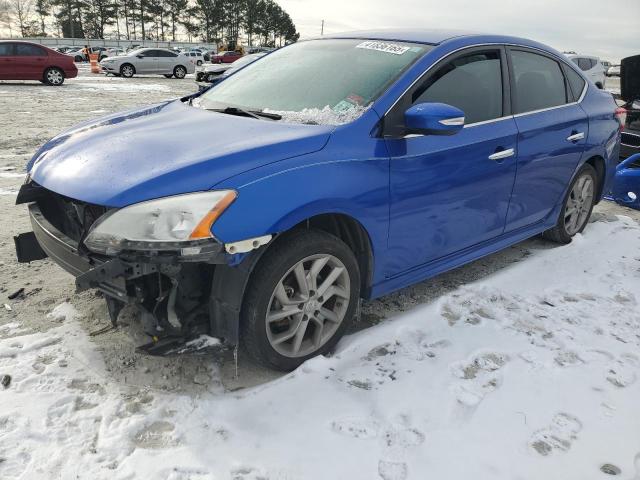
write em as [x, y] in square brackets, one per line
[383, 47]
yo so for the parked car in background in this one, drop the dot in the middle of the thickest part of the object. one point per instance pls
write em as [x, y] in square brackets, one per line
[31, 61]
[112, 51]
[64, 48]
[149, 61]
[592, 68]
[226, 57]
[207, 73]
[629, 99]
[213, 74]
[195, 56]
[77, 54]
[260, 50]
[103, 52]
[206, 57]
[613, 71]
[262, 210]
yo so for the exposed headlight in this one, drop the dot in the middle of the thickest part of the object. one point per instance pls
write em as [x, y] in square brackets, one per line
[162, 224]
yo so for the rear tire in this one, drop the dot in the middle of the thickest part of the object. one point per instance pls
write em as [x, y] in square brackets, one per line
[53, 76]
[577, 208]
[199, 63]
[127, 70]
[179, 72]
[293, 276]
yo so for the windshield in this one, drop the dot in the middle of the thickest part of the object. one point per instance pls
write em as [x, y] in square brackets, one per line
[319, 81]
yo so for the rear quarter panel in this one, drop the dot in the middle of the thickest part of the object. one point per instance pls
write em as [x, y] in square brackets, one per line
[604, 131]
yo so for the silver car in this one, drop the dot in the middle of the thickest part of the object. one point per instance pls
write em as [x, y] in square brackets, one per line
[149, 61]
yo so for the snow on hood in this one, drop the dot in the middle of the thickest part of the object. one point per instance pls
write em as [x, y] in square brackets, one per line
[167, 149]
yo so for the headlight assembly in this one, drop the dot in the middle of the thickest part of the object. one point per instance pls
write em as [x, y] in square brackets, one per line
[176, 222]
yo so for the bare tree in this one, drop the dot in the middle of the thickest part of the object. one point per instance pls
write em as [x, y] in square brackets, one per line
[22, 12]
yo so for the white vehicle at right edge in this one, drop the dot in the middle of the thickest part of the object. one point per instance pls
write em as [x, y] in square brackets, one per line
[591, 67]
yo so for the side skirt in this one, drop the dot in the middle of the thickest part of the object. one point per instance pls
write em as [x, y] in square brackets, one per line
[429, 270]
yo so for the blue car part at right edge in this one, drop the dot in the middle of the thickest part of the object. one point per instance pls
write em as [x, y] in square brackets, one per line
[626, 187]
[262, 210]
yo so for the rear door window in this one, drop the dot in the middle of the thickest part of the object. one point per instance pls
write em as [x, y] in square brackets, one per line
[6, 49]
[473, 83]
[26, 50]
[538, 82]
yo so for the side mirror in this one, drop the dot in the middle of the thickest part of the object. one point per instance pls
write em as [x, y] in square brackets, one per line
[139, 56]
[434, 119]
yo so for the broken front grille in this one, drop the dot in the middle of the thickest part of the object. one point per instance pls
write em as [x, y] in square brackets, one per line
[71, 217]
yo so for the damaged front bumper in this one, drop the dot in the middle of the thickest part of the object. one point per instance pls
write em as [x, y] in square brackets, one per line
[107, 274]
[181, 294]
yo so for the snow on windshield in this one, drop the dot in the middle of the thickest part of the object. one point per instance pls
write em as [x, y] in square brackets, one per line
[321, 116]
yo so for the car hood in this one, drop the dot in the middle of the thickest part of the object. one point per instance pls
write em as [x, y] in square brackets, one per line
[630, 78]
[166, 149]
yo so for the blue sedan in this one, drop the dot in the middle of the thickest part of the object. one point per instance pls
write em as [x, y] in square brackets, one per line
[262, 210]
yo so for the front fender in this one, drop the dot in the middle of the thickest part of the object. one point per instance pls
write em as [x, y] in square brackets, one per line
[278, 197]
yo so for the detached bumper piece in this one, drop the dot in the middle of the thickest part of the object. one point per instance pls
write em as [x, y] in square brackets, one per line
[28, 249]
[626, 186]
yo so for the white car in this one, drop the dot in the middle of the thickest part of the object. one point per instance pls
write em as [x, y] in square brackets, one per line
[591, 66]
[196, 57]
[614, 71]
[149, 61]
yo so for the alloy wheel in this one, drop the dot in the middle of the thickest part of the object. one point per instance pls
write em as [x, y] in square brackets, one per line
[308, 305]
[578, 204]
[127, 71]
[180, 72]
[54, 77]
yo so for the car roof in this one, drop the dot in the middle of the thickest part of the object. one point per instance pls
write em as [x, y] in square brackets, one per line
[421, 35]
[431, 36]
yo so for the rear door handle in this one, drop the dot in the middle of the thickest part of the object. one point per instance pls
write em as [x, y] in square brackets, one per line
[574, 137]
[502, 154]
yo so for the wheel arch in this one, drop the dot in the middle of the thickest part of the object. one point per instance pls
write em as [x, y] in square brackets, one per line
[598, 163]
[229, 283]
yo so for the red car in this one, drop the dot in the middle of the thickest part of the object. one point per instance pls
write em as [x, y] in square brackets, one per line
[225, 57]
[30, 61]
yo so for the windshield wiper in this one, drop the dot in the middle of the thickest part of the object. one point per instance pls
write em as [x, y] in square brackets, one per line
[246, 113]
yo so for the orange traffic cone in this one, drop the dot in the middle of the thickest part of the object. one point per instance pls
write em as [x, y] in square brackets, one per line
[93, 58]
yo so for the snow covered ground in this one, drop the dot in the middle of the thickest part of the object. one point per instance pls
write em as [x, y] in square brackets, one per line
[529, 373]
[523, 365]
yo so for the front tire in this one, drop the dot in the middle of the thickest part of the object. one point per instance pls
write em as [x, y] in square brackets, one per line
[179, 72]
[53, 76]
[199, 64]
[577, 208]
[300, 300]
[127, 70]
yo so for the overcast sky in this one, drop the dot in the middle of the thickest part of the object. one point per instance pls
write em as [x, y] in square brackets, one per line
[607, 29]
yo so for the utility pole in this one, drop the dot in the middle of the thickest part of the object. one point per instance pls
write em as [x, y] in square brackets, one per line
[322, 28]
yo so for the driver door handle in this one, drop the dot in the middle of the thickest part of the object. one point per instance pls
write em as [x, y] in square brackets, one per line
[502, 154]
[574, 137]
